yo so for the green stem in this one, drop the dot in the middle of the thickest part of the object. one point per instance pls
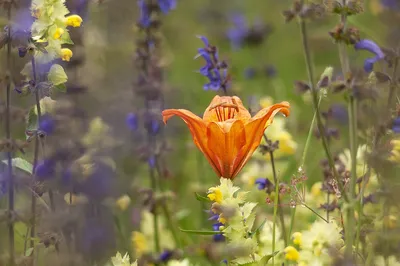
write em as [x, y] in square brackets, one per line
[303, 159]
[35, 161]
[314, 92]
[276, 197]
[11, 241]
[155, 220]
[165, 209]
[316, 213]
[281, 217]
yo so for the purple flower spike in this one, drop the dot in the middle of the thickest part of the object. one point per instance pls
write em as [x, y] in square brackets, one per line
[373, 48]
[204, 39]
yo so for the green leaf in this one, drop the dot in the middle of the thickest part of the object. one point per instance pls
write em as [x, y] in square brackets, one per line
[200, 232]
[21, 164]
[31, 121]
[201, 198]
[258, 229]
[265, 259]
[66, 38]
[57, 75]
[28, 252]
[61, 87]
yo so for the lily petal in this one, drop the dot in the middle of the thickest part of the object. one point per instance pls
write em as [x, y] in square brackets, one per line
[197, 128]
[255, 130]
[212, 114]
[225, 145]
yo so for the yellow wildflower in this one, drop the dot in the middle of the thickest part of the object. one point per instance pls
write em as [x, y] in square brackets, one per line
[316, 189]
[215, 194]
[73, 21]
[66, 54]
[297, 238]
[222, 219]
[123, 202]
[395, 157]
[139, 242]
[57, 34]
[291, 253]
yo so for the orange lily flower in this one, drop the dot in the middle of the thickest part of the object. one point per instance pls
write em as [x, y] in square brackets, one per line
[227, 134]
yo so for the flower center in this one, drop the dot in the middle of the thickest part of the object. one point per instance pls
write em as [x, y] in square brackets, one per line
[225, 110]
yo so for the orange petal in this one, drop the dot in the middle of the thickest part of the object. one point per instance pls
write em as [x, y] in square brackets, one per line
[197, 128]
[255, 130]
[225, 142]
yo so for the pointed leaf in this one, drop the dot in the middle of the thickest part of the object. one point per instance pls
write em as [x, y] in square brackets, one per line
[57, 75]
[201, 198]
[21, 164]
[28, 252]
[200, 232]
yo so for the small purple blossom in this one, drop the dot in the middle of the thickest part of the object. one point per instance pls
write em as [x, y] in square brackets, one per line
[373, 48]
[238, 32]
[45, 169]
[250, 72]
[145, 15]
[152, 161]
[166, 255]
[166, 5]
[47, 124]
[132, 121]
[396, 125]
[261, 183]
[270, 71]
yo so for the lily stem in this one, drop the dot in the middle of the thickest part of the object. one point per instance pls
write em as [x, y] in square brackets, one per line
[9, 153]
[274, 222]
[314, 92]
[280, 209]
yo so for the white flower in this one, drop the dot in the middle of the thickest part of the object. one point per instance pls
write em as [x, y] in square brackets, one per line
[118, 260]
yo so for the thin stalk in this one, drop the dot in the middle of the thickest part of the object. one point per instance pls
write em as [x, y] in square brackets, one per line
[314, 92]
[303, 159]
[166, 210]
[274, 222]
[352, 109]
[155, 220]
[281, 217]
[11, 240]
[35, 159]
[316, 213]
[393, 85]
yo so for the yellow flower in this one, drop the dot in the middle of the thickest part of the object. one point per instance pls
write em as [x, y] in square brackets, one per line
[222, 219]
[395, 157]
[66, 54]
[139, 242]
[215, 194]
[123, 202]
[297, 238]
[291, 253]
[316, 189]
[57, 34]
[73, 21]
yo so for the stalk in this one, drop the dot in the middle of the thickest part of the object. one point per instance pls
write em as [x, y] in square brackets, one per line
[352, 109]
[11, 202]
[314, 92]
[274, 222]
[35, 160]
[281, 217]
